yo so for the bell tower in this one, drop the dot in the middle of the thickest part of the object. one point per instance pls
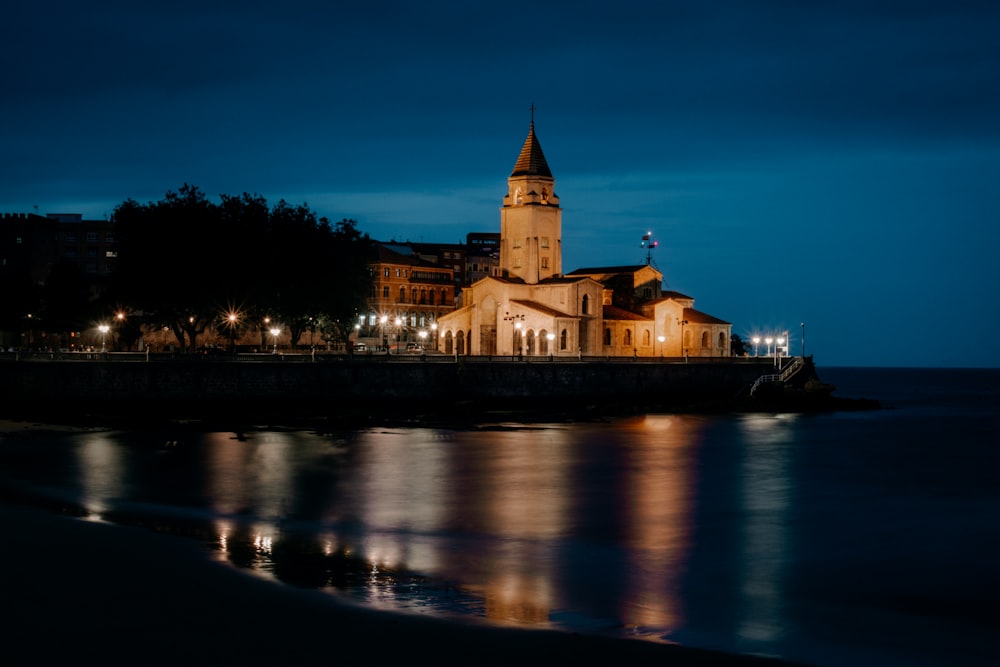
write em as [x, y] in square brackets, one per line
[530, 219]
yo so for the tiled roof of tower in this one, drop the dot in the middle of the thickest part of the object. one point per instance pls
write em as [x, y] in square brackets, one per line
[531, 161]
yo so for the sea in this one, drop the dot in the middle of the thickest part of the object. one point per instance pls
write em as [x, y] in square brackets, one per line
[855, 537]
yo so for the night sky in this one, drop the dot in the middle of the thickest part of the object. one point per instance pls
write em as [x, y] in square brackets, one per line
[828, 163]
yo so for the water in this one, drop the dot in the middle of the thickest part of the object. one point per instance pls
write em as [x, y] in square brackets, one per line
[861, 538]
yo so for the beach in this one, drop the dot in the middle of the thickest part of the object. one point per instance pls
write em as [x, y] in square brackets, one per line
[76, 590]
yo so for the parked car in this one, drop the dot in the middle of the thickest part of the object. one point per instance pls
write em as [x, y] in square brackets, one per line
[360, 347]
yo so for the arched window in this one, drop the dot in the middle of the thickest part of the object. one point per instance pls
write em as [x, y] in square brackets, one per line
[402, 295]
[607, 336]
[645, 337]
[414, 293]
[385, 292]
[460, 343]
[531, 343]
[423, 295]
[448, 343]
[431, 296]
[704, 339]
[562, 339]
[627, 338]
[444, 296]
[543, 342]
[585, 305]
[722, 340]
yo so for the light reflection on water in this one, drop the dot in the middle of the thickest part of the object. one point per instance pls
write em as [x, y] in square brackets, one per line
[503, 521]
[830, 539]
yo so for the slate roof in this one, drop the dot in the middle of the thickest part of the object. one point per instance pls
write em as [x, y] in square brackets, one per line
[531, 161]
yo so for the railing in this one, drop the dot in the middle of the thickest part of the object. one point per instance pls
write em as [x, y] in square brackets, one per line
[783, 376]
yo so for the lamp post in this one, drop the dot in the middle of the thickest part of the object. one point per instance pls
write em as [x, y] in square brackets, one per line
[756, 342]
[399, 324]
[232, 332]
[104, 332]
[381, 327]
[274, 332]
[684, 350]
[779, 343]
[515, 321]
[551, 337]
[120, 319]
[434, 336]
[660, 340]
[767, 343]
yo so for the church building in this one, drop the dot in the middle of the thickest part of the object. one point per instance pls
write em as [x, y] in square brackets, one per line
[532, 308]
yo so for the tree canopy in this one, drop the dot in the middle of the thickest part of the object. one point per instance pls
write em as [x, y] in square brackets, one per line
[190, 264]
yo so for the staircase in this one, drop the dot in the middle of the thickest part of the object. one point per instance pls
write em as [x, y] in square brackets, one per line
[786, 374]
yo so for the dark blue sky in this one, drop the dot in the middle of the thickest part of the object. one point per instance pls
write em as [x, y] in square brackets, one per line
[832, 163]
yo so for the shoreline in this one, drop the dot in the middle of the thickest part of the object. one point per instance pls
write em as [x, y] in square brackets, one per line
[122, 595]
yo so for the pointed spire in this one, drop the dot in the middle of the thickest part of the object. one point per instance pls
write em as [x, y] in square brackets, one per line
[531, 161]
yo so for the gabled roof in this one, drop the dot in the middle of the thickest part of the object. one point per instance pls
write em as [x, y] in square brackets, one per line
[540, 307]
[599, 270]
[696, 316]
[670, 294]
[531, 161]
[616, 313]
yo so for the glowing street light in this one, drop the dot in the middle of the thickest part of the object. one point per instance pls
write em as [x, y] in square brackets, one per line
[768, 341]
[274, 332]
[104, 331]
[232, 318]
[660, 340]
[756, 342]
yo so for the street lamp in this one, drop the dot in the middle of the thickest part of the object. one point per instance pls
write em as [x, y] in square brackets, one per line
[274, 332]
[434, 337]
[381, 327]
[515, 321]
[684, 350]
[778, 345]
[399, 324]
[551, 338]
[104, 331]
[660, 340]
[756, 342]
[767, 342]
[232, 332]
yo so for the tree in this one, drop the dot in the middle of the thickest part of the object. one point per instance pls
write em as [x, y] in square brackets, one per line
[737, 348]
[188, 264]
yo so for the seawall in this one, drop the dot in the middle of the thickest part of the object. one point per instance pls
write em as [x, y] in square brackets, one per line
[203, 386]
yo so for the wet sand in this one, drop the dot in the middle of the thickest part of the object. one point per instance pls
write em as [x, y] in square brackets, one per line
[89, 592]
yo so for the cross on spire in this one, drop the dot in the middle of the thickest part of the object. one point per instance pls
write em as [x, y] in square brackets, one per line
[532, 113]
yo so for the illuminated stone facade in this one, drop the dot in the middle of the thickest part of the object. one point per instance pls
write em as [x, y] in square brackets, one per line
[533, 309]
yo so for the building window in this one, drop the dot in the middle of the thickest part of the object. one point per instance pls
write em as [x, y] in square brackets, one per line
[385, 292]
[91, 237]
[70, 237]
[562, 340]
[585, 305]
[545, 241]
[704, 339]
[517, 243]
[517, 262]
[413, 292]
[386, 272]
[722, 341]
[545, 262]
[444, 296]
[607, 336]
[430, 296]
[647, 293]
[402, 295]
[627, 339]
[645, 337]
